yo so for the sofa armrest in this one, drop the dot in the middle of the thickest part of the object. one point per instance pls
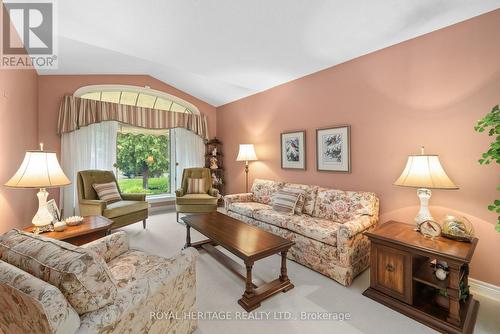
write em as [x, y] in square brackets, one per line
[31, 305]
[134, 197]
[214, 192]
[235, 198]
[110, 246]
[92, 207]
[350, 229]
[179, 192]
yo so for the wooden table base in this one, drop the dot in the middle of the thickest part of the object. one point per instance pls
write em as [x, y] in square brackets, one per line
[253, 295]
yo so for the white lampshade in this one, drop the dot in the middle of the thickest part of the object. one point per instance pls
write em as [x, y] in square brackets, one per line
[39, 169]
[246, 153]
[424, 171]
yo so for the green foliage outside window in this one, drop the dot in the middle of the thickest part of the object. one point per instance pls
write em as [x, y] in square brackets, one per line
[144, 155]
[491, 124]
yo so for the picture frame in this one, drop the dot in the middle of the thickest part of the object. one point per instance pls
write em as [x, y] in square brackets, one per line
[333, 149]
[293, 150]
[54, 211]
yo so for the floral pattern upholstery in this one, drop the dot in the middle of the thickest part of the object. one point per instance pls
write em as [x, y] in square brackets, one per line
[148, 283]
[343, 206]
[263, 190]
[311, 193]
[331, 240]
[145, 284]
[23, 297]
[82, 276]
[237, 198]
[248, 208]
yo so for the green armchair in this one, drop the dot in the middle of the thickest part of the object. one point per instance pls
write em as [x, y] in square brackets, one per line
[131, 209]
[196, 203]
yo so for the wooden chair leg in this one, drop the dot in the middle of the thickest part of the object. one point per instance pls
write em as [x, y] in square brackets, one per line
[144, 224]
[177, 216]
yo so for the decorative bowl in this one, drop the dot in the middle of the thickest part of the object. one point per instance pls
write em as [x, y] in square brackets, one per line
[74, 220]
[457, 228]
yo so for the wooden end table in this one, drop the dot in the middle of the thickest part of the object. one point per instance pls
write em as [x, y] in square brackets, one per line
[401, 277]
[92, 228]
[247, 242]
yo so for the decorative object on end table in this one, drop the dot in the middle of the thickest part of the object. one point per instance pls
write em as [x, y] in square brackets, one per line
[333, 149]
[246, 153]
[59, 226]
[40, 169]
[73, 220]
[293, 150]
[54, 211]
[457, 228]
[430, 228]
[423, 172]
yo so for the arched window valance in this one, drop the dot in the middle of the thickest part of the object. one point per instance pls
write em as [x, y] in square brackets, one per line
[76, 112]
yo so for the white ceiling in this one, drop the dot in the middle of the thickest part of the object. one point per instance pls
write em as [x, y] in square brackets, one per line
[223, 50]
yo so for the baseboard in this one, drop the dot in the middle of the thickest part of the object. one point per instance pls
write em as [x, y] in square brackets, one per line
[484, 289]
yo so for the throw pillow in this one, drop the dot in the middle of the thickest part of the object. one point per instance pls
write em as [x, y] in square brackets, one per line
[285, 201]
[195, 186]
[302, 197]
[107, 192]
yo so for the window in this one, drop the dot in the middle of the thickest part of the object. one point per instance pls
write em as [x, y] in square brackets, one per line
[145, 158]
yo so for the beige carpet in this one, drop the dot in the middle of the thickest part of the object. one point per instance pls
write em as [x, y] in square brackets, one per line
[218, 291]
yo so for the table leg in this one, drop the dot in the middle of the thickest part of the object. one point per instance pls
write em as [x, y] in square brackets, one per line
[188, 236]
[284, 275]
[249, 290]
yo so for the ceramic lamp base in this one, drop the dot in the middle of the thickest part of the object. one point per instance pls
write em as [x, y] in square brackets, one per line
[42, 216]
[423, 214]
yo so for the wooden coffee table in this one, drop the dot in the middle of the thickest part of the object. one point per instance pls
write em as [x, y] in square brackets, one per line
[247, 242]
[92, 228]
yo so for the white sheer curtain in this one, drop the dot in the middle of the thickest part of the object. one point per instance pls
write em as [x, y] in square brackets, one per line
[91, 147]
[189, 152]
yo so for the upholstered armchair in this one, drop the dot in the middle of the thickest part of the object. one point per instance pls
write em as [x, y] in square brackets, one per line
[131, 209]
[196, 203]
[50, 286]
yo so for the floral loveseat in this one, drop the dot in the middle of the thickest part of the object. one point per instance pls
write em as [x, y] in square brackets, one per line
[327, 233]
[49, 286]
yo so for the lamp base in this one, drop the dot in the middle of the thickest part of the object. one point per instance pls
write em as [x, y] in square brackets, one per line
[42, 216]
[423, 213]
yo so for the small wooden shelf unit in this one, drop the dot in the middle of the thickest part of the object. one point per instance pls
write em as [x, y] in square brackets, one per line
[402, 278]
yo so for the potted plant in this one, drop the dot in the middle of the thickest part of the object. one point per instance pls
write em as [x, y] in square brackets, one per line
[491, 124]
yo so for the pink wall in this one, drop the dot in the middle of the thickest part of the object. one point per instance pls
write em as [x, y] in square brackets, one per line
[427, 91]
[18, 133]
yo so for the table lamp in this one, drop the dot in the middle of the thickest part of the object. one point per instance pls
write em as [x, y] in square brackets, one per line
[246, 153]
[39, 169]
[424, 172]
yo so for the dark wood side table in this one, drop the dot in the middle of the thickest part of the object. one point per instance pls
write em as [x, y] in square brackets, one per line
[92, 228]
[402, 278]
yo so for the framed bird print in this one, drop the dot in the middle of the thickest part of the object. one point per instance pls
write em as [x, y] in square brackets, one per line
[293, 150]
[333, 149]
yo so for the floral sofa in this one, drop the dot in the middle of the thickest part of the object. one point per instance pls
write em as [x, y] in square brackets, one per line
[49, 286]
[327, 233]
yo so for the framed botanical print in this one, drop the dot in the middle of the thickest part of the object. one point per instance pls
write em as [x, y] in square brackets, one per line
[54, 211]
[333, 149]
[293, 150]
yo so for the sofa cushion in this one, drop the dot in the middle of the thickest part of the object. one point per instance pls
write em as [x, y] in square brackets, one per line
[263, 190]
[122, 208]
[248, 208]
[309, 198]
[320, 229]
[342, 206]
[196, 199]
[323, 230]
[82, 276]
